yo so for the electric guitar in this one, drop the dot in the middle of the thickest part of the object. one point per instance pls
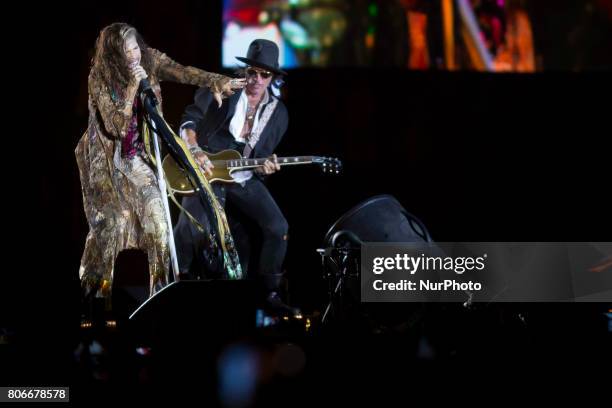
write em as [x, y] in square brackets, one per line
[228, 161]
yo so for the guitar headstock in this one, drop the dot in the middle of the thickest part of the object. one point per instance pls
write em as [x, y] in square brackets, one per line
[329, 164]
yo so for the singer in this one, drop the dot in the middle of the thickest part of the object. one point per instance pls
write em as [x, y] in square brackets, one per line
[121, 196]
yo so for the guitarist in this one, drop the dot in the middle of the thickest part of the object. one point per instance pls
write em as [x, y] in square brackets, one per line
[252, 122]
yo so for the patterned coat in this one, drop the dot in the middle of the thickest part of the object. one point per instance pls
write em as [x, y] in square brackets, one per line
[121, 197]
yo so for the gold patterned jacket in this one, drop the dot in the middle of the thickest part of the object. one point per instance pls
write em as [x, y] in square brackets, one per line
[113, 190]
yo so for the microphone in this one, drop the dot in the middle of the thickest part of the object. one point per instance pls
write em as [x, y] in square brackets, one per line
[145, 89]
[144, 86]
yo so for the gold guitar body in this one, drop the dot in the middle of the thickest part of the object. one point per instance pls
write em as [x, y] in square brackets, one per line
[179, 182]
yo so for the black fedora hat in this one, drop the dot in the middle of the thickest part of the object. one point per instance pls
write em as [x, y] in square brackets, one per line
[263, 54]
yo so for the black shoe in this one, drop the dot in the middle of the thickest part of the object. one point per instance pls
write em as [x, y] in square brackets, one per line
[274, 302]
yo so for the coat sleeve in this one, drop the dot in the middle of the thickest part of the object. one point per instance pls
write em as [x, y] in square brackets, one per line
[281, 126]
[169, 70]
[115, 116]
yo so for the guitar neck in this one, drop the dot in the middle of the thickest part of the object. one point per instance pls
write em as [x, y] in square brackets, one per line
[258, 162]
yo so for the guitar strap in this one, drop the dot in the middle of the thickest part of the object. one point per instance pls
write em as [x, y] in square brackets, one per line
[256, 133]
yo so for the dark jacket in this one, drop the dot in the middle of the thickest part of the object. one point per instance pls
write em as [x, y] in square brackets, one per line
[211, 123]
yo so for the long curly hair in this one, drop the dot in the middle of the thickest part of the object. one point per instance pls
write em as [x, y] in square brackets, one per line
[109, 61]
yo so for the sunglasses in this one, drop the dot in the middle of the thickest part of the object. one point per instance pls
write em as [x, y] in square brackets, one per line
[251, 72]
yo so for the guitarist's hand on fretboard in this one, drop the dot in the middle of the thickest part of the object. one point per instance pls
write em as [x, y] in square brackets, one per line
[270, 166]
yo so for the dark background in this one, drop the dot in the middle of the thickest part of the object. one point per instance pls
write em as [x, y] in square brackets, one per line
[477, 157]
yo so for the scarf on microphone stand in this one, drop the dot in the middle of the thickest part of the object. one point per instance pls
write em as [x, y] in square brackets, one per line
[220, 241]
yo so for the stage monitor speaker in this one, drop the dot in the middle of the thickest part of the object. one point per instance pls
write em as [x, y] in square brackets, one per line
[202, 311]
[379, 219]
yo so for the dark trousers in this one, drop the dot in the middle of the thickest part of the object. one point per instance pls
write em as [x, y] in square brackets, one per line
[254, 201]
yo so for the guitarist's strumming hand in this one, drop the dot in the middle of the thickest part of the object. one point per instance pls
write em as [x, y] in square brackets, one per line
[200, 157]
[204, 162]
[270, 166]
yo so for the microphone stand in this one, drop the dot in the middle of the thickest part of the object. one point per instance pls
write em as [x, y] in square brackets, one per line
[148, 97]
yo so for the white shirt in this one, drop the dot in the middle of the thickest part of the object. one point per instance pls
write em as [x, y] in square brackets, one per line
[237, 123]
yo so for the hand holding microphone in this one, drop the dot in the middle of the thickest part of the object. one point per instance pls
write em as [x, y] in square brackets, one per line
[138, 72]
[140, 75]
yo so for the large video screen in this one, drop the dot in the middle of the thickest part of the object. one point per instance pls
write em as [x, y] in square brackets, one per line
[483, 35]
